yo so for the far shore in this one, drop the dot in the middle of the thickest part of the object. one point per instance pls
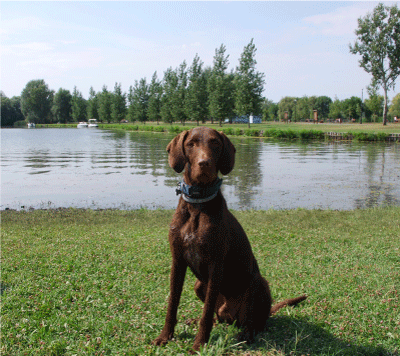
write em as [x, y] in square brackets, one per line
[366, 132]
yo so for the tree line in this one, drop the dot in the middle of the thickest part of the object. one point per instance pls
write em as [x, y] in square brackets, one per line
[168, 102]
[195, 93]
[198, 93]
[351, 109]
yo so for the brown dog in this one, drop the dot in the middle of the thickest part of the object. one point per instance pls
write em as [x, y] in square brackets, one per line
[208, 239]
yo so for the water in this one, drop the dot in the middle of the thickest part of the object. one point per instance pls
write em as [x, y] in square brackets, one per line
[91, 168]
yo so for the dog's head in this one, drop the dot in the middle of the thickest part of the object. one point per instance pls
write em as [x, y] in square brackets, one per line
[202, 152]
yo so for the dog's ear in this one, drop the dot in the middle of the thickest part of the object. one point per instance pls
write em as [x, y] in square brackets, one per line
[227, 159]
[176, 154]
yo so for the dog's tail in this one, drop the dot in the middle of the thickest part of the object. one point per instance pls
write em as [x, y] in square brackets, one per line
[287, 302]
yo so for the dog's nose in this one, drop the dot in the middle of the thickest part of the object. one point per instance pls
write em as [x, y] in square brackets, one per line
[204, 163]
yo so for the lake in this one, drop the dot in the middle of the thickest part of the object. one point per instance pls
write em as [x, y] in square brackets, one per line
[92, 168]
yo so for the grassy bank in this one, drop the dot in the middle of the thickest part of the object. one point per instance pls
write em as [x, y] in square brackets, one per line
[367, 132]
[291, 131]
[82, 282]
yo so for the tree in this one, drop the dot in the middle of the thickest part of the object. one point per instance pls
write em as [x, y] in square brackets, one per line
[178, 98]
[118, 104]
[218, 86]
[374, 104]
[249, 83]
[322, 106]
[286, 104]
[378, 43]
[93, 105]
[154, 103]
[62, 106]
[196, 97]
[10, 110]
[36, 101]
[105, 99]
[138, 101]
[170, 83]
[269, 110]
[352, 108]
[78, 104]
[336, 109]
[302, 108]
[394, 109]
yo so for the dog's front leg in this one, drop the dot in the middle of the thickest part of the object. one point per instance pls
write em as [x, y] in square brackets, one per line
[206, 321]
[177, 278]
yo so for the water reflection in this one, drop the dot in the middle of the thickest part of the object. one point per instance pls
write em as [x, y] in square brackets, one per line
[381, 180]
[100, 169]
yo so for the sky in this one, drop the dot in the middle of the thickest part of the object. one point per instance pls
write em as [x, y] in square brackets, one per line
[302, 46]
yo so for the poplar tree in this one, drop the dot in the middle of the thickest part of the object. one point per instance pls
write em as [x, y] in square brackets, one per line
[154, 103]
[249, 84]
[138, 99]
[78, 110]
[378, 43]
[196, 98]
[170, 83]
[218, 86]
[105, 105]
[118, 104]
[179, 94]
[93, 105]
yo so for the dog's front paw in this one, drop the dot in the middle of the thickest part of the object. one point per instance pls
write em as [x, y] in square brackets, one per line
[246, 335]
[161, 340]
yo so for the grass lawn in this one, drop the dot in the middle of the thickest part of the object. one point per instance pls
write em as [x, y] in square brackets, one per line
[83, 282]
[374, 128]
[325, 127]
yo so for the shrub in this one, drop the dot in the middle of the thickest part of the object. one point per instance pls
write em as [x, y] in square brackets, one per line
[21, 123]
[311, 134]
[159, 128]
[238, 132]
[228, 131]
[252, 132]
[269, 133]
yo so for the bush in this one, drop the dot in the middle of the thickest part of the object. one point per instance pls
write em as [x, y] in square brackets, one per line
[177, 129]
[311, 134]
[252, 132]
[159, 128]
[21, 123]
[238, 132]
[228, 131]
[269, 133]
[285, 134]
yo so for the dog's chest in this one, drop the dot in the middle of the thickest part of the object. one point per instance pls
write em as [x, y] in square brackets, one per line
[195, 247]
[191, 250]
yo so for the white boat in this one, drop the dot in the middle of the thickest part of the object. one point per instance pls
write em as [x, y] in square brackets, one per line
[82, 125]
[31, 125]
[93, 123]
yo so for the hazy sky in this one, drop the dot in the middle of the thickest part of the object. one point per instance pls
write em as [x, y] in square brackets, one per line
[302, 47]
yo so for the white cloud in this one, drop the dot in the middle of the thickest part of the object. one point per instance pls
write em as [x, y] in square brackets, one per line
[340, 22]
[21, 24]
[34, 46]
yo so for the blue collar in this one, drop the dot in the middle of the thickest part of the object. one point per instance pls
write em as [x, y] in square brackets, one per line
[195, 194]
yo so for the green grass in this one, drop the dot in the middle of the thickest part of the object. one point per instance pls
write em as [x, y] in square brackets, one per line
[83, 282]
[280, 131]
[276, 130]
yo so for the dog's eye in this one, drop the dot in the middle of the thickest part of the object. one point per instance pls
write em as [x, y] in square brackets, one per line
[190, 144]
[214, 142]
